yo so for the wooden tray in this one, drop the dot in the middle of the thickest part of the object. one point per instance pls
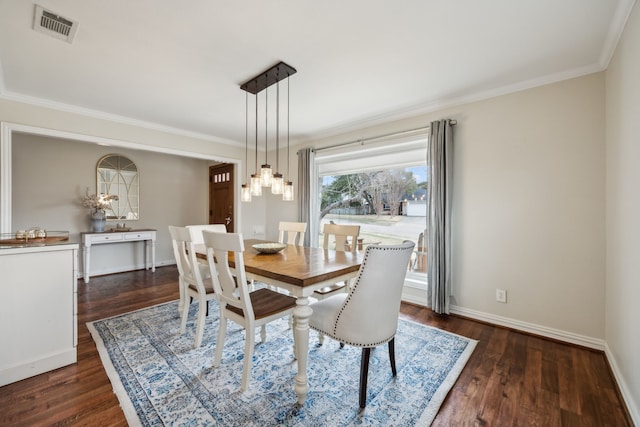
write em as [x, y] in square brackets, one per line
[48, 239]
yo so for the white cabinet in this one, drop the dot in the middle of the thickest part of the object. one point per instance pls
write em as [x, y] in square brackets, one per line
[38, 309]
[90, 239]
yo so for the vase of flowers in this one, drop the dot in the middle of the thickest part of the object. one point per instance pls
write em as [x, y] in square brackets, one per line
[98, 203]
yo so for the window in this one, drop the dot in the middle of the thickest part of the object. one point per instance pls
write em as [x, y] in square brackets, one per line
[381, 186]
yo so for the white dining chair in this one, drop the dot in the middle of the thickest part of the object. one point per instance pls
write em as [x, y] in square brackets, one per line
[295, 231]
[197, 229]
[194, 280]
[342, 238]
[198, 240]
[420, 255]
[346, 239]
[368, 315]
[248, 309]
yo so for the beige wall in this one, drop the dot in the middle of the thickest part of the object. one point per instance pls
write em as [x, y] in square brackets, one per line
[529, 206]
[623, 213]
[528, 211]
[50, 176]
[109, 130]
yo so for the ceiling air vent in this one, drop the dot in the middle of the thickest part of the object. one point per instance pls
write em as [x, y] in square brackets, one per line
[48, 22]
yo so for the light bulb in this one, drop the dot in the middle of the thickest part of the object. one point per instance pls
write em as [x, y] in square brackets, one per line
[256, 187]
[287, 193]
[277, 183]
[245, 194]
[266, 175]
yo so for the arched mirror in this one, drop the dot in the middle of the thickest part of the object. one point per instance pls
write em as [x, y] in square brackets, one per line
[118, 175]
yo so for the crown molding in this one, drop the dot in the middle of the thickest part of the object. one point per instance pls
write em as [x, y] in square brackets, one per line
[101, 115]
[427, 106]
[618, 23]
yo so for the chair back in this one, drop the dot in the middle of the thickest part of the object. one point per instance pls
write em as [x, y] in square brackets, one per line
[293, 230]
[230, 290]
[185, 255]
[196, 231]
[341, 233]
[369, 314]
[421, 252]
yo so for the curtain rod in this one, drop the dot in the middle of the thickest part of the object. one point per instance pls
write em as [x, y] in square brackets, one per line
[363, 140]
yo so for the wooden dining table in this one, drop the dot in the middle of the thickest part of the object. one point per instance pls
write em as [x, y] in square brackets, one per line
[301, 271]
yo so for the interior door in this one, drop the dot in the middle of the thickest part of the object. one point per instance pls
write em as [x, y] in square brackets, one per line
[221, 196]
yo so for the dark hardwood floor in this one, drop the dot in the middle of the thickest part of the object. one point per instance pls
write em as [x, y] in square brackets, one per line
[512, 379]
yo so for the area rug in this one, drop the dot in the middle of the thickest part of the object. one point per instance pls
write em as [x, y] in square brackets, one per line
[161, 379]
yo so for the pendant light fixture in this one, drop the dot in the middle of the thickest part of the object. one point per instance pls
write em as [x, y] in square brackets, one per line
[266, 177]
[245, 193]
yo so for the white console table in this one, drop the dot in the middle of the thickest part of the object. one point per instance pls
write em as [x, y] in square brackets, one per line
[146, 235]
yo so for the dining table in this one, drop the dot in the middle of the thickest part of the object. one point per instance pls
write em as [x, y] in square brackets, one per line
[300, 270]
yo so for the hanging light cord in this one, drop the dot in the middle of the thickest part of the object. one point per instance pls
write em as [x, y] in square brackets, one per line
[278, 126]
[288, 100]
[266, 124]
[256, 170]
[246, 136]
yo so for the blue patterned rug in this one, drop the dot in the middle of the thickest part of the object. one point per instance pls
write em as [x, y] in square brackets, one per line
[160, 379]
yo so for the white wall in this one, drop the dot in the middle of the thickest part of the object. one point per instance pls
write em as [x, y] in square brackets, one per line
[528, 207]
[623, 213]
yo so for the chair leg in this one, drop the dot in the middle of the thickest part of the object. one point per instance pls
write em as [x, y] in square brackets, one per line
[248, 358]
[392, 355]
[184, 315]
[263, 334]
[202, 305]
[364, 373]
[222, 334]
[181, 303]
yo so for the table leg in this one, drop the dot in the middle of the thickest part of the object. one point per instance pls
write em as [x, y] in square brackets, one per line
[146, 254]
[301, 315]
[86, 260]
[153, 255]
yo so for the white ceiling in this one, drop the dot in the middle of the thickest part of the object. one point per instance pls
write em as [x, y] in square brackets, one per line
[178, 65]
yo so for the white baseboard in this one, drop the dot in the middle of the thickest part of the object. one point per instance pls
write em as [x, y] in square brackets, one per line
[518, 325]
[36, 367]
[544, 331]
[414, 299]
[123, 268]
[531, 328]
[634, 411]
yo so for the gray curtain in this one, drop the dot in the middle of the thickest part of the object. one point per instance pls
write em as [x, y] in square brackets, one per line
[439, 186]
[305, 189]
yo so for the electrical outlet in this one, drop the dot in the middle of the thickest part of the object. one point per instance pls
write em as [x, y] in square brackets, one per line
[501, 295]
